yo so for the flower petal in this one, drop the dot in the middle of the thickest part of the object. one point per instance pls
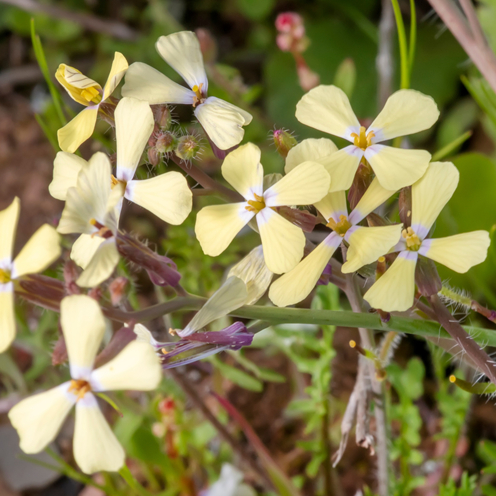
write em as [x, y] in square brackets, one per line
[84, 248]
[333, 205]
[217, 225]
[95, 446]
[7, 316]
[136, 368]
[76, 132]
[397, 167]
[89, 199]
[230, 296]
[328, 109]
[367, 244]
[282, 242]
[395, 290]
[253, 270]
[83, 326]
[39, 418]
[342, 167]
[304, 185]
[42, 249]
[431, 193]
[66, 168]
[182, 52]
[167, 196]
[133, 127]
[459, 252]
[117, 71]
[298, 283]
[101, 265]
[74, 81]
[309, 149]
[146, 83]
[243, 171]
[9, 218]
[406, 112]
[222, 121]
[375, 196]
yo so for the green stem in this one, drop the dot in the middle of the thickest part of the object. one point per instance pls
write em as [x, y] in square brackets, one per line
[404, 59]
[276, 315]
[413, 36]
[126, 474]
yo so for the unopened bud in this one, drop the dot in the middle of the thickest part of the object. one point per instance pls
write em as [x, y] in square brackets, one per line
[153, 156]
[163, 116]
[308, 78]
[187, 147]
[166, 142]
[284, 141]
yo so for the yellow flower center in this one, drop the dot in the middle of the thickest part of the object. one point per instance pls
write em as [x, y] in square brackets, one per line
[340, 227]
[362, 140]
[91, 95]
[412, 240]
[256, 205]
[199, 96]
[79, 388]
[4, 276]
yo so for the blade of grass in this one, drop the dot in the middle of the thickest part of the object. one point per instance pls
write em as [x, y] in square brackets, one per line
[450, 147]
[41, 59]
[52, 139]
[404, 60]
[413, 36]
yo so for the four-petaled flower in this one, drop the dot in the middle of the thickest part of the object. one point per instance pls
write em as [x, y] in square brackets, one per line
[38, 253]
[39, 418]
[328, 109]
[89, 93]
[366, 244]
[394, 291]
[222, 121]
[283, 242]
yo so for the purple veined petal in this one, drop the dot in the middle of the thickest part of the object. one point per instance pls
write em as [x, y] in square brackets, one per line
[204, 344]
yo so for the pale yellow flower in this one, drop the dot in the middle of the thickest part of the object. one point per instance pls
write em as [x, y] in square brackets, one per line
[222, 121]
[39, 418]
[283, 242]
[394, 291]
[38, 253]
[328, 109]
[366, 244]
[89, 93]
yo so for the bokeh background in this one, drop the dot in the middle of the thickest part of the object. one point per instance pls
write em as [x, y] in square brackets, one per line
[437, 433]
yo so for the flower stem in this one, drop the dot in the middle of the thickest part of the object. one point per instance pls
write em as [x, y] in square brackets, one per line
[126, 474]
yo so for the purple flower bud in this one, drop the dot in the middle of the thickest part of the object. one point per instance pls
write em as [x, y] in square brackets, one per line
[325, 276]
[162, 270]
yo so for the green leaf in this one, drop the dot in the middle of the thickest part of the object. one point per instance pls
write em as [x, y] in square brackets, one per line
[256, 9]
[345, 77]
[237, 376]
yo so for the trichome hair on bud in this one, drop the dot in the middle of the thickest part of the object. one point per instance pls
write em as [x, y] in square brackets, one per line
[284, 141]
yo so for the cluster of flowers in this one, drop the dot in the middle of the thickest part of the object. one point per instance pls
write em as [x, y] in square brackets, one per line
[317, 174]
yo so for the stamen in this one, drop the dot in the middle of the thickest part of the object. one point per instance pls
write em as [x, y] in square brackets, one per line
[199, 96]
[4, 276]
[340, 227]
[91, 95]
[79, 387]
[363, 141]
[412, 240]
[256, 205]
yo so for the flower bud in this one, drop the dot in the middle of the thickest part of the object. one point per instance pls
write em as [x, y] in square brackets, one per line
[284, 141]
[117, 288]
[187, 147]
[163, 116]
[166, 142]
[153, 156]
